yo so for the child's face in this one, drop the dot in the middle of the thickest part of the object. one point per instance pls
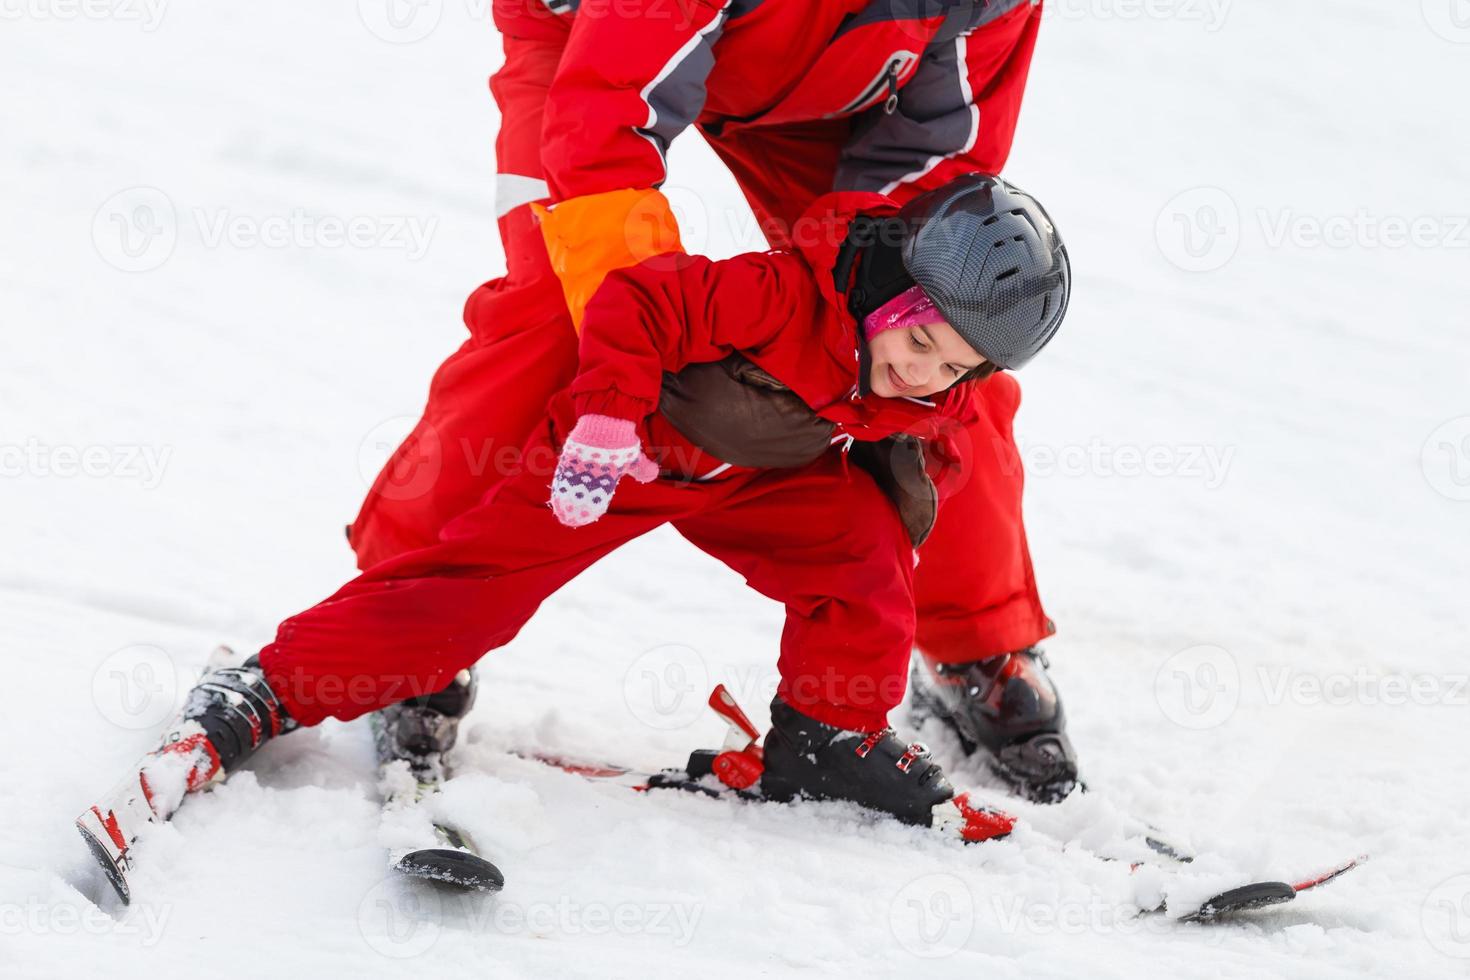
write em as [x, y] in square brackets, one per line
[914, 362]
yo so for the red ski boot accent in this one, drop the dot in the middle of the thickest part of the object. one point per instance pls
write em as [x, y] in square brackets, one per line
[740, 770]
[742, 762]
[724, 704]
[972, 824]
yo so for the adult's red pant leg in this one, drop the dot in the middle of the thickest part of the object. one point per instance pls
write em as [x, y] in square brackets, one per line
[828, 544]
[487, 397]
[976, 591]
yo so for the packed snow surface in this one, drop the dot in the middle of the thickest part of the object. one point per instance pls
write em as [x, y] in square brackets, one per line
[237, 239]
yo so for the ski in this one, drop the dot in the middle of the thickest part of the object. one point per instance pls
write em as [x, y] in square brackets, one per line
[408, 784]
[1263, 894]
[733, 772]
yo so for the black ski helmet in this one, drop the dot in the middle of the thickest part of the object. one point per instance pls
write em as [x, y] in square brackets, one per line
[988, 255]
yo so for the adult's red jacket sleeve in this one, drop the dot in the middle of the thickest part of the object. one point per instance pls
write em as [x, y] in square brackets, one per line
[632, 78]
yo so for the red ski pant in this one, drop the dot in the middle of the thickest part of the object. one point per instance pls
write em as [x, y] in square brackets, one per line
[975, 590]
[822, 539]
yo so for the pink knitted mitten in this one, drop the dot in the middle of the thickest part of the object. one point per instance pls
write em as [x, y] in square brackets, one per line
[598, 453]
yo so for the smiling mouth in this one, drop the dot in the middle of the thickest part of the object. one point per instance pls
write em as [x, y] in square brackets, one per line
[896, 381]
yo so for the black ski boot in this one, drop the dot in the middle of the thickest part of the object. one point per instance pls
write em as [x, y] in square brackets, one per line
[804, 757]
[420, 730]
[1008, 707]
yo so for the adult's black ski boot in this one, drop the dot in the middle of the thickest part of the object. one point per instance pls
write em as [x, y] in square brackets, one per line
[1006, 710]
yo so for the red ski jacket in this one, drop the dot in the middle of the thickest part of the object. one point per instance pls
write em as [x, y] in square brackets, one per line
[932, 88]
[779, 309]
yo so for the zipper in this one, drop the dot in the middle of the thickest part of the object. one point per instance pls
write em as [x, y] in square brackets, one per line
[886, 80]
[891, 103]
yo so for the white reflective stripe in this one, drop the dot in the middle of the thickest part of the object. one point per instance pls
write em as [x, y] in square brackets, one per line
[712, 473]
[513, 190]
[962, 59]
[918, 401]
[687, 48]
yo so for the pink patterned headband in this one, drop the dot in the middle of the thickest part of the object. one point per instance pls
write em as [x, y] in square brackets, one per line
[910, 308]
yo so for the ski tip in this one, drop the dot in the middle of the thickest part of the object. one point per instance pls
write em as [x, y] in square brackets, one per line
[1323, 877]
[1257, 895]
[453, 867]
[115, 875]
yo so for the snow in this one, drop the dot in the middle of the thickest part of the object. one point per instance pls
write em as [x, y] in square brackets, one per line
[1249, 459]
